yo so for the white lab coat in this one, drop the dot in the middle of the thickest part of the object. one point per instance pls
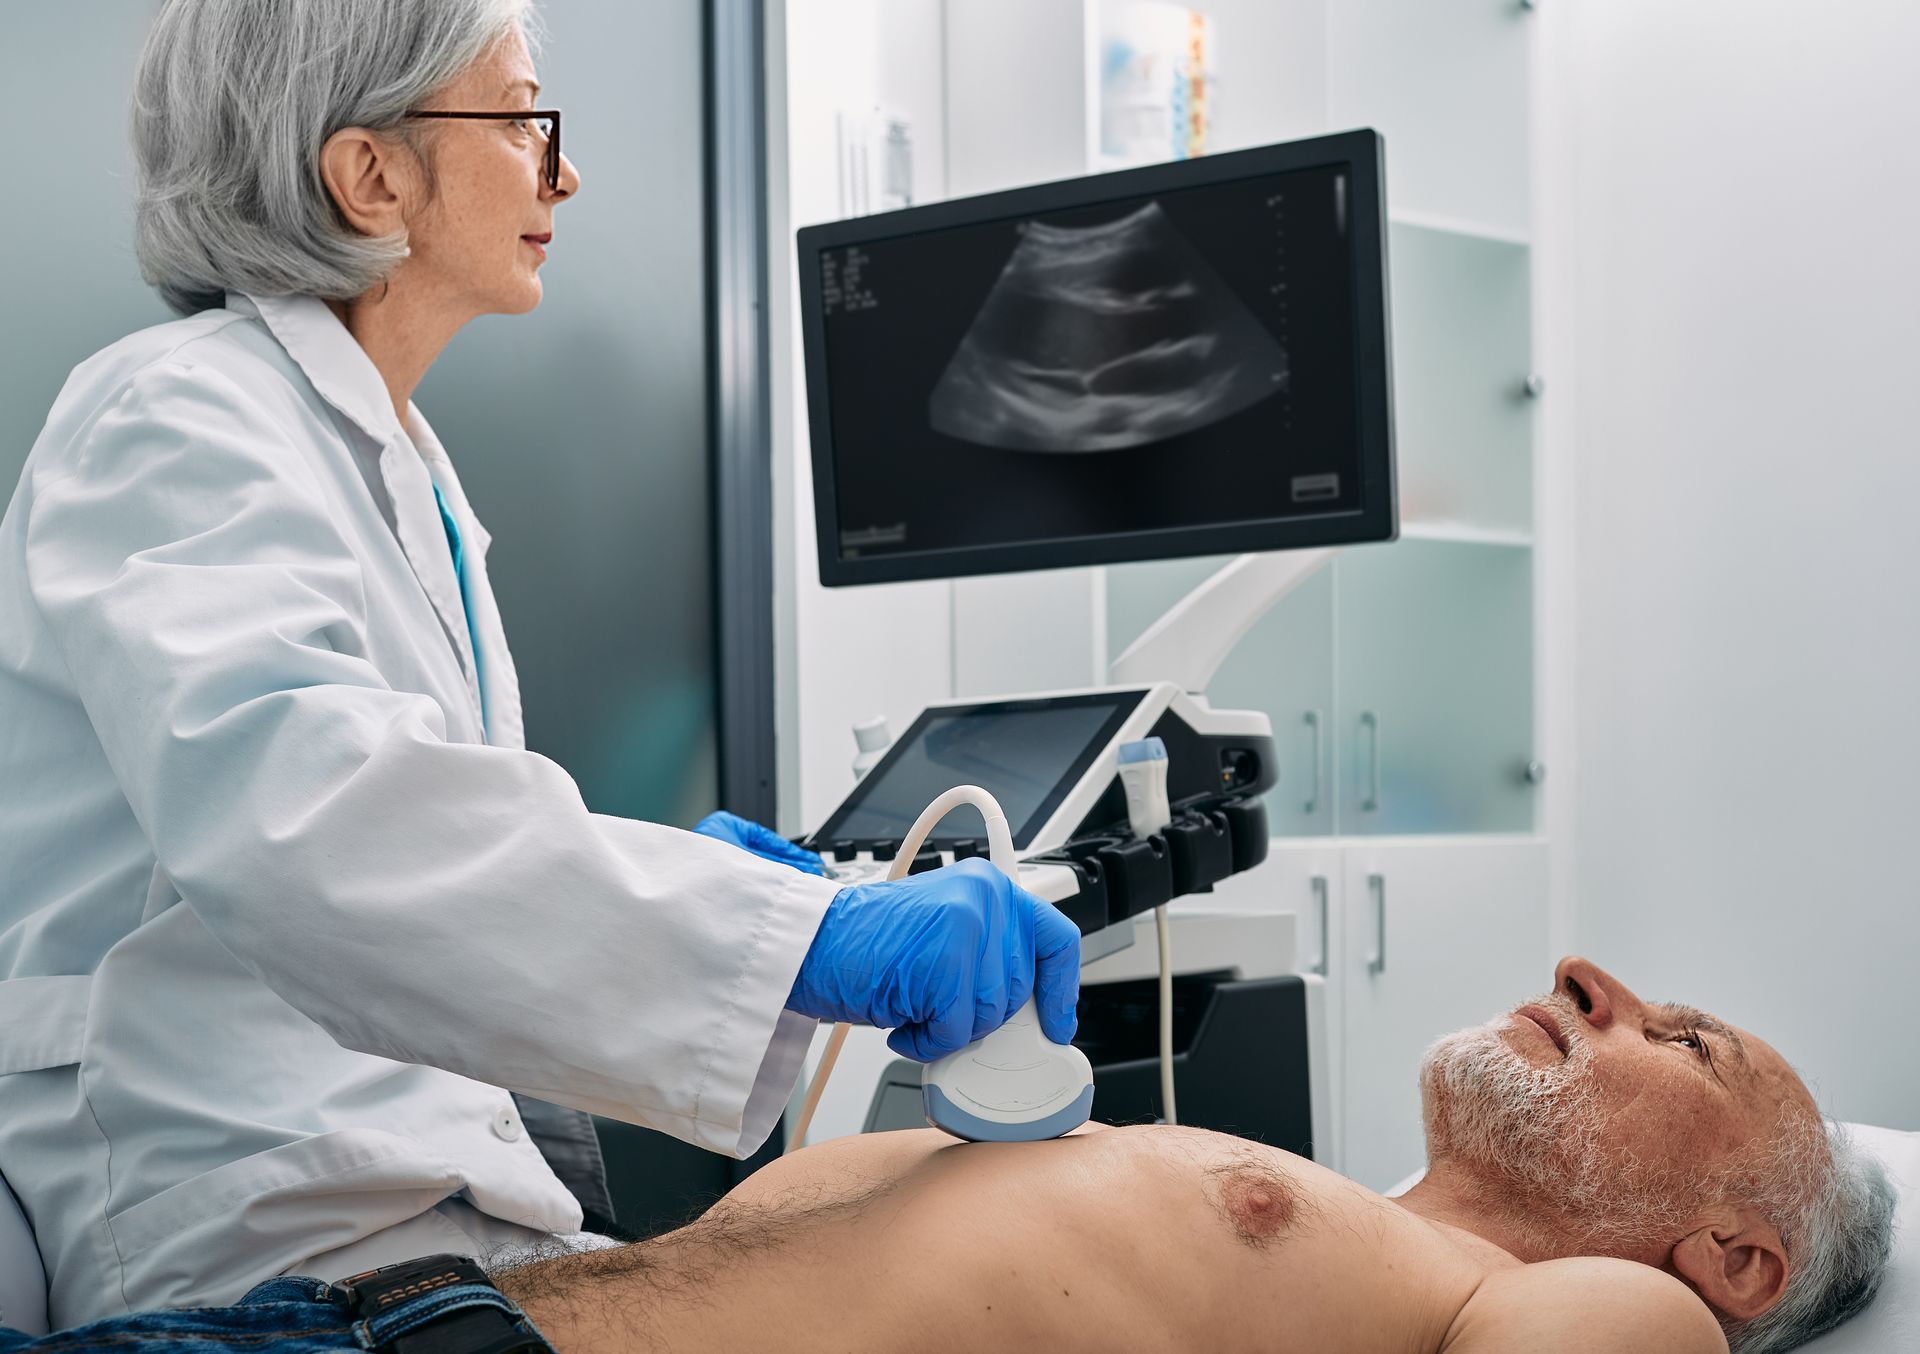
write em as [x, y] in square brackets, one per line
[277, 924]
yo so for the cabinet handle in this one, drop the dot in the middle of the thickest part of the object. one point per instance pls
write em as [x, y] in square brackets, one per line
[1319, 965]
[1312, 805]
[1370, 724]
[1377, 961]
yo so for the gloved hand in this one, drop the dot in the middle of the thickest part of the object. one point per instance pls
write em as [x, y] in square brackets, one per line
[941, 959]
[764, 842]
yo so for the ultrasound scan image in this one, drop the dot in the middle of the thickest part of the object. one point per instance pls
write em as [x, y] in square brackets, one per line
[1101, 338]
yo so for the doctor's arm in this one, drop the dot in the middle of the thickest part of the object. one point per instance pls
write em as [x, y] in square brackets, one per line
[441, 903]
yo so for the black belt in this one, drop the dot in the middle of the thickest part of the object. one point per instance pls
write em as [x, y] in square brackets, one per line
[441, 1304]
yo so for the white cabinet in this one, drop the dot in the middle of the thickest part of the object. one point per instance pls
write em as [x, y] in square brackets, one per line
[1422, 936]
[1305, 878]
[1439, 934]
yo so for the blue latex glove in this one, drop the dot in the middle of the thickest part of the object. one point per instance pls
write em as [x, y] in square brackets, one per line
[764, 842]
[941, 959]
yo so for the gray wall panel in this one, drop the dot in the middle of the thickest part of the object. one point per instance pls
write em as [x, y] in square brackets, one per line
[580, 430]
[68, 282]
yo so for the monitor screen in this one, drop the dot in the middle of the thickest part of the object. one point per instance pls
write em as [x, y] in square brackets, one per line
[1028, 754]
[1185, 359]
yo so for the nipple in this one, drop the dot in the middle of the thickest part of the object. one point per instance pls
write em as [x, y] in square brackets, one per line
[1260, 1203]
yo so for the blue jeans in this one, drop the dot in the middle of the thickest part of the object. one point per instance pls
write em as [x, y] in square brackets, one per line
[280, 1316]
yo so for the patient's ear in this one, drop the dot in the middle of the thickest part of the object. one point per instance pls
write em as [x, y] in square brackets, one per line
[1736, 1262]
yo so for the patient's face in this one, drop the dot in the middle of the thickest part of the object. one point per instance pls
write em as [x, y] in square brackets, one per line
[1626, 1115]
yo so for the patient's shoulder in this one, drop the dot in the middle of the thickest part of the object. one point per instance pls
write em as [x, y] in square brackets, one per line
[1600, 1305]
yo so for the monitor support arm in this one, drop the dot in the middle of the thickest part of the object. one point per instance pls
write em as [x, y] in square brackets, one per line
[1187, 645]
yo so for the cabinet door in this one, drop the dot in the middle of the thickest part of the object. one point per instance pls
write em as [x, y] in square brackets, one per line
[1462, 352]
[1435, 719]
[1306, 879]
[1440, 935]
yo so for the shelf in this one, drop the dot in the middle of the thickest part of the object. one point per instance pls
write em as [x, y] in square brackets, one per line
[1453, 225]
[1464, 533]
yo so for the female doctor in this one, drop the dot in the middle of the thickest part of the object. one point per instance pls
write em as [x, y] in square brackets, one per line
[287, 903]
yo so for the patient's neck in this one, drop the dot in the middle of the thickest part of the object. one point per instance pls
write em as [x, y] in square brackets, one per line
[1458, 1202]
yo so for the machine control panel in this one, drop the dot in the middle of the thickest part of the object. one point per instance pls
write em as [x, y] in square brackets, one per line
[1051, 760]
[1100, 880]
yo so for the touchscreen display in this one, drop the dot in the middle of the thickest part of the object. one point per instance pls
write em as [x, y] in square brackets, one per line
[1027, 754]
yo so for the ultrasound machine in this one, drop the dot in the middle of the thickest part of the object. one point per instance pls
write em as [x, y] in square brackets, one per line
[1185, 359]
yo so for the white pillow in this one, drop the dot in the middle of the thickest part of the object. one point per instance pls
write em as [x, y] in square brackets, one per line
[1893, 1321]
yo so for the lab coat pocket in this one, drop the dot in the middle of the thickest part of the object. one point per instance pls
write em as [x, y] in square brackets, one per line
[43, 1022]
[299, 1198]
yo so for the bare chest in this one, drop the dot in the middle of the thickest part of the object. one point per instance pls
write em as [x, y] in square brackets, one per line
[1156, 1239]
[1284, 1255]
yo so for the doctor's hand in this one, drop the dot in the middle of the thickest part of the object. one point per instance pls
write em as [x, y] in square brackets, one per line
[763, 842]
[942, 959]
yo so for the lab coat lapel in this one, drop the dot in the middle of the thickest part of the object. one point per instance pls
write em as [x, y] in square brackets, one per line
[416, 521]
[346, 378]
[504, 724]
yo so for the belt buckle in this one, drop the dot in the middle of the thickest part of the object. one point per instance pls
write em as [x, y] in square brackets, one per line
[461, 1329]
[379, 1290]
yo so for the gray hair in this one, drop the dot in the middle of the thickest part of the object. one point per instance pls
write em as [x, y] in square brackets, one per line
[1834, 1206]
[232, 102]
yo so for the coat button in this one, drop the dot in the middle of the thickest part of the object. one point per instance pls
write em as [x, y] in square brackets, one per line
[506, 1126]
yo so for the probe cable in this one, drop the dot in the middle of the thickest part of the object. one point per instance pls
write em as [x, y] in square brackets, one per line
[1001, 853]
[1161, 933]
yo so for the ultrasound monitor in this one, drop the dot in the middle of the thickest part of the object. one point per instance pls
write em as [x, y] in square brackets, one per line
[1185, 359]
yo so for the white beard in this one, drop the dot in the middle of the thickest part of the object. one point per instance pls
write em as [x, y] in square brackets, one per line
[1535, 1140]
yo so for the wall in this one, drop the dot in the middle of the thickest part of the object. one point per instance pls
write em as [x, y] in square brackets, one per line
[1746, 315]
[68, 282]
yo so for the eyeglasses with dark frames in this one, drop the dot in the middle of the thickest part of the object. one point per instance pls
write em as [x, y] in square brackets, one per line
[549, 118]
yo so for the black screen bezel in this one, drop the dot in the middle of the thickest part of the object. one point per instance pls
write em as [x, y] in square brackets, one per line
[1123, 702]
[1377, 518]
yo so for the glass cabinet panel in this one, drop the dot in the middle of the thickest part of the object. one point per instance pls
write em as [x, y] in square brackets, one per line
[1462, 345]
[1435, 711]
[1283, 667]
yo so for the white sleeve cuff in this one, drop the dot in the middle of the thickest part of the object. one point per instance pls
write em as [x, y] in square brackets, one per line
[779, 1072]
[774, 954]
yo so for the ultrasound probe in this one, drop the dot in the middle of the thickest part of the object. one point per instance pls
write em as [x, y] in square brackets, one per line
[1014, 1085]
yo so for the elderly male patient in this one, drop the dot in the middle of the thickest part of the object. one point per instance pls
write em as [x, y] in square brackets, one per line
[1605, 1174]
